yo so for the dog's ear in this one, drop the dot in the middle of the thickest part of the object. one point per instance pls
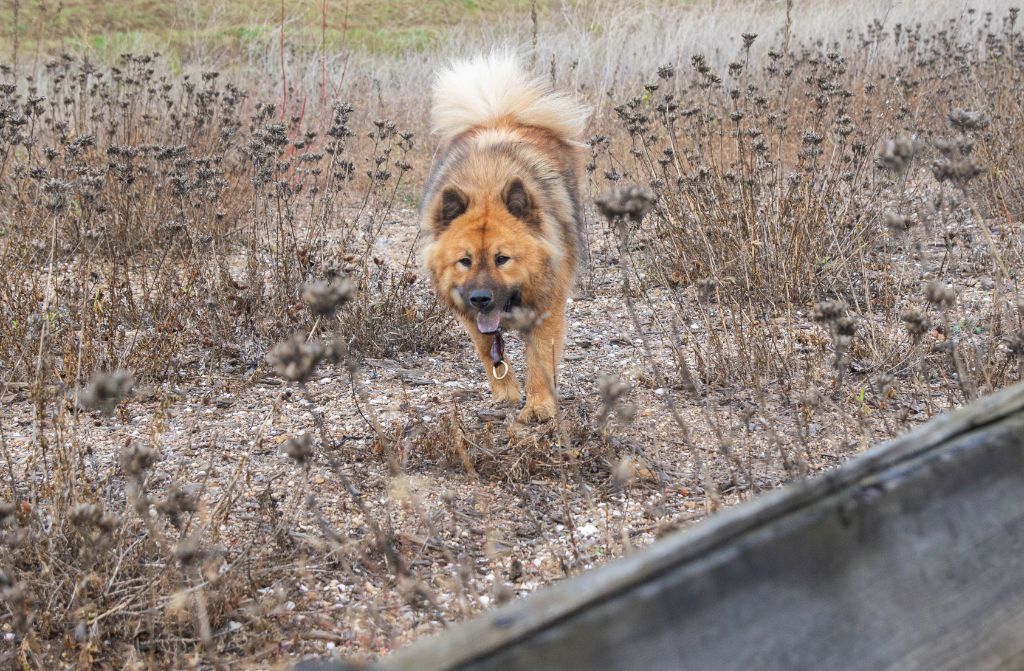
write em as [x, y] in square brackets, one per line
[518, 201]
[452, 205]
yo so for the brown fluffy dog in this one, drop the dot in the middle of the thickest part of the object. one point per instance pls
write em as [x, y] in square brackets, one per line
[500, 212]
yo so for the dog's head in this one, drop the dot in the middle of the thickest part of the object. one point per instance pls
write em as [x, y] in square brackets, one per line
[488, 256]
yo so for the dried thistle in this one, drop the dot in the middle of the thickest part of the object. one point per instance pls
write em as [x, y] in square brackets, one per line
[86, 514]
[846, 327]
[296, 359]
[897, 223]
[883, 384]
[811, 399]
[624, 472]
[90, 517]
[629, 202]
[299, 448]
[614, 393]
[136, 459]
[706, 289]
[939, 294]
[897, 155]
[176, 501]
[525, 319]
[7, 510]
[325, 297]
[956, 164]
[1015, 344]
[965, 120]
[105, 391]
[58, 194]
[188, 552]
[916, 322]
[336, 350]
[829, 311]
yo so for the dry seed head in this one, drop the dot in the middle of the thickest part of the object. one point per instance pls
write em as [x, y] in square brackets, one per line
[883, 384]
[614, 393]
[965, 120]
[940, 294]
[625, 202]
[525, 319]
[325, 298]
[106, 390]
[896, 155]
[58, 194]
[86, 514]
[14, 593]
[6, 511]
[811, 399]
[706, 288]
[956, 164]
[177, 501]
[612, 390]
[829, 311]
[89, 516]
[897, 223]
[959, 171]
[916, 321]
[336, 350]
[299, 448]
[188, 552]
[846, 327]
[1015, 343]
[624, 472]
[136, 459]
[626, 411]
[295, 359]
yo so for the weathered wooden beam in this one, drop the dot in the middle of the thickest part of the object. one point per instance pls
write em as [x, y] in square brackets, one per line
[910, 556]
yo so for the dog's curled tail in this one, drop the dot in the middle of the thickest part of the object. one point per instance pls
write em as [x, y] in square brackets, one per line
[491, 88]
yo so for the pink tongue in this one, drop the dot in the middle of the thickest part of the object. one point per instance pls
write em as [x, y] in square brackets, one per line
[489, 322]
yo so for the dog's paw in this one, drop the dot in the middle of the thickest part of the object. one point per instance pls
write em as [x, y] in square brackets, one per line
[506, 391]
[537, 411]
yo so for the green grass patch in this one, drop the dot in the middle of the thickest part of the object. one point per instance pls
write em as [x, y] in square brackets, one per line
[180, 30]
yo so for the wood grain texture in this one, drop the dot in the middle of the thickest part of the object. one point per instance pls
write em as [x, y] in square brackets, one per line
[910, 556]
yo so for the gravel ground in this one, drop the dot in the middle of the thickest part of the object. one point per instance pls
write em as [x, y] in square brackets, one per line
[481, 509]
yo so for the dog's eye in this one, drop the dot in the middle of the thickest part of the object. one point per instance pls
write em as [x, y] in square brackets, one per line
[501, 260]
[465, 262]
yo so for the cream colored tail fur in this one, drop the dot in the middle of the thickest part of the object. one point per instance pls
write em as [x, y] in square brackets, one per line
[482, 90]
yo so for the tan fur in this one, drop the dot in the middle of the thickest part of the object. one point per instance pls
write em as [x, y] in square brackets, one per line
[500, 212]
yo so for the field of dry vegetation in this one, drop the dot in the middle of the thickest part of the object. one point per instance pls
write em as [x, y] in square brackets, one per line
[237, 430]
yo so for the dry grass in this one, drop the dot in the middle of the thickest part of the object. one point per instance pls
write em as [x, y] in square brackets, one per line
[824, 249]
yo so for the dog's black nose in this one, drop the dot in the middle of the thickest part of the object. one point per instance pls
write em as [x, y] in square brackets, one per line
[482, 299]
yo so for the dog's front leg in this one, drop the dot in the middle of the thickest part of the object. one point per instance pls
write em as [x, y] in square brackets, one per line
[506, 389]
[544, 344]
